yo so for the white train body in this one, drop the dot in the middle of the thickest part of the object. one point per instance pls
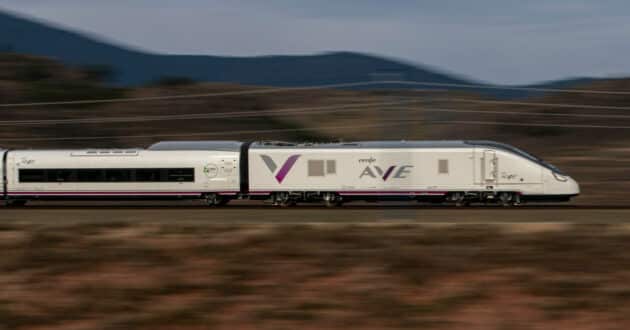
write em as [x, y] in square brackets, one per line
[405, 169]
[285, 173]
[121, 173]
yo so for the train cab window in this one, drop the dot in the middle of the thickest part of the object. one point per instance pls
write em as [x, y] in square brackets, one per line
[443, 166]
[148, 175]
[117, 175]
[181, 175]
[91, 175]
[32, 175]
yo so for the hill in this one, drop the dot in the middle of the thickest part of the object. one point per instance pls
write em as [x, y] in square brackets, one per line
[132, 67]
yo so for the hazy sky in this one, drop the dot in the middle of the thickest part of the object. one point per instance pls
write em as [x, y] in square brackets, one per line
[499, 41]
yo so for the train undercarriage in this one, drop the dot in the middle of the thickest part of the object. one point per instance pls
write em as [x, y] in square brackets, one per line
[336, 199]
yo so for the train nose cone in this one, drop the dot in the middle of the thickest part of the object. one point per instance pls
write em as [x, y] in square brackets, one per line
[573, 186]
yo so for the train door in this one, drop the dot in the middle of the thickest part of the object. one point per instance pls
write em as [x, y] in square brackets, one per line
[228, 170]
[489, 168]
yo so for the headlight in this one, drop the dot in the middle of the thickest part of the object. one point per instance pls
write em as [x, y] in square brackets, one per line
[560, 177]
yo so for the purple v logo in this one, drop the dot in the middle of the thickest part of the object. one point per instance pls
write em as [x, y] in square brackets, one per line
[284, 169]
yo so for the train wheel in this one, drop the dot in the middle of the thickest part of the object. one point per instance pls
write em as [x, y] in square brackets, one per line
[283, 199]
[506, 199]
[215, 200]
[516, 201]
[460, 199]
[333, 203]
[332, 200]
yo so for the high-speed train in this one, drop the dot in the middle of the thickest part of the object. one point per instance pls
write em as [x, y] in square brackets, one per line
[456, 172]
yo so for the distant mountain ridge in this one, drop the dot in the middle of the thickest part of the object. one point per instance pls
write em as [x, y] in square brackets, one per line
[131, 67]
[22, 35]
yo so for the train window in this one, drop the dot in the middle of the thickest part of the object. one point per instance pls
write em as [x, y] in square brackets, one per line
[181, 175]
[148, 175]
[107, 175]
[32, 175]
[117, 175]
[91, 175]
[331, 167]
[315, 168]
[61, 175]
[443, 166]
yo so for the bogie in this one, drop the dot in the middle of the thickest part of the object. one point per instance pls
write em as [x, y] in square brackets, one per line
[283, 199]
[332, 199]
[214, 200]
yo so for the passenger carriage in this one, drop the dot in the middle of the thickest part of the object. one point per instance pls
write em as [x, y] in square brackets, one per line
[165, 170]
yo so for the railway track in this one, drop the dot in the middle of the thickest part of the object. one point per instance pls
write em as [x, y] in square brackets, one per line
[43, 214]
[374, 207]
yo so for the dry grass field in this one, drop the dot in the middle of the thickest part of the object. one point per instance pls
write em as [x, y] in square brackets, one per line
[121, 275]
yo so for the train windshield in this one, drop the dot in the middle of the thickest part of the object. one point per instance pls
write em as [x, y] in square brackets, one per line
[517, 151]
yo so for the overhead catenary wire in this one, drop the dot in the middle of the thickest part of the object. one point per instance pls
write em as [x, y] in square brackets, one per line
[412, 99]
[323, 109]
[313, 87]
[218, 115]
[524, 113]
[344, 127]
[532, 104]
[512, 88]
[260, 90]
[342, 108]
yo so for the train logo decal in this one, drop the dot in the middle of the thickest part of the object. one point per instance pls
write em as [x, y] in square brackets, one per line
[26, 161]
[284, 169]
[211, 170]
[374, 171]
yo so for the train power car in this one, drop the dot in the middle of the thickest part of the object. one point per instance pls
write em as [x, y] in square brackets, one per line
[458, 172]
